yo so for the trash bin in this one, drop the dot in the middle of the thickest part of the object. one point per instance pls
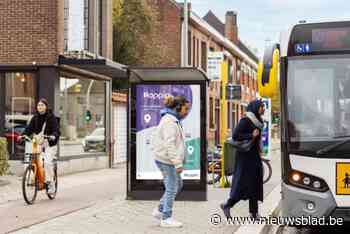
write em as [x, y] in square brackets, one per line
[229, 158]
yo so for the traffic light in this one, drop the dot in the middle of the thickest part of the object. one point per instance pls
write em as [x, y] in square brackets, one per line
[88, 116]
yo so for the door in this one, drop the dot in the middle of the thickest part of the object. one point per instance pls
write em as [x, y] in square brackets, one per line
[120, 131]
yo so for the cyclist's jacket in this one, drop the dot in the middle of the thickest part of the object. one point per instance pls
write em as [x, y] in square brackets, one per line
[36, 124]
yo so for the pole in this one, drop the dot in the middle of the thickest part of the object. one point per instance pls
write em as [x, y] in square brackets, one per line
[223, 118]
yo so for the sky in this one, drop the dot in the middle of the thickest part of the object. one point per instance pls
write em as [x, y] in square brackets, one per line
[260, 22]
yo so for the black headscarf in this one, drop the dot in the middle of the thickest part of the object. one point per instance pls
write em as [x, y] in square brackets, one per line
[254, 108]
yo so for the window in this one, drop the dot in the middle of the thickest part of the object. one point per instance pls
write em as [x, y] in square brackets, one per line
[204, 55]
[229, 115]
[82, 111]
[234, 116]
[194, 52]
[20, 98]
[230, 77]
[211, 113]
[197, 57]
[99, 27]
[66, 15]
[86, 24]
[75, 24]
[189, 48]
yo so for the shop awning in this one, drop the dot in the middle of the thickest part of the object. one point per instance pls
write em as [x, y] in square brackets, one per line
[166, 74]
[100, 65]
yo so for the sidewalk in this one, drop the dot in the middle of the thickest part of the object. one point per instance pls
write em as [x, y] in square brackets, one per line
[123, 216]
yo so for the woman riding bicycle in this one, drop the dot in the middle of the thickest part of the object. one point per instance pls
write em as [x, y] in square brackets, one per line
[44, 123]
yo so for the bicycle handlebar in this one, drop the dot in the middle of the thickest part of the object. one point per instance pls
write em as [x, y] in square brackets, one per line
[28, 139]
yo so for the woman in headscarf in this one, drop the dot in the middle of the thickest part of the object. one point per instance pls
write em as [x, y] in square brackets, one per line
[247, 181]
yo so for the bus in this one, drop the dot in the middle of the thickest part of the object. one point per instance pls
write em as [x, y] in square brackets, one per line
[313, 64]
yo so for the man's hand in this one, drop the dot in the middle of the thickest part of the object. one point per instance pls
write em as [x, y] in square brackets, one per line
[179, 170]
[20, 138]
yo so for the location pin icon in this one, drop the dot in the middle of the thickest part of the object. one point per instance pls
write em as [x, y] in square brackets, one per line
[190, 149]
[147, 118]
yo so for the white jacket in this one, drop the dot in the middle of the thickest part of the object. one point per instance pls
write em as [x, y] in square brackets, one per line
[168, 142]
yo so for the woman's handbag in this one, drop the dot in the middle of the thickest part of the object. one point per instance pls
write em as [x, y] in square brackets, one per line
[242, 146]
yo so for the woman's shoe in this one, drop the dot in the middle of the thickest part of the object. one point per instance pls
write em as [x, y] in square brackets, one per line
[255, 216]
[226, 211]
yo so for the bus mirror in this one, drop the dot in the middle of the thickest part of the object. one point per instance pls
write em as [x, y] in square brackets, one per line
[268, 72]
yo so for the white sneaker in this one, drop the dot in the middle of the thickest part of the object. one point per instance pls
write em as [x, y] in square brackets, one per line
[170, 223]
[156, 214]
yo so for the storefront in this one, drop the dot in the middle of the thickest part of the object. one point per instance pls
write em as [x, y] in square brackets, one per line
[79, 93]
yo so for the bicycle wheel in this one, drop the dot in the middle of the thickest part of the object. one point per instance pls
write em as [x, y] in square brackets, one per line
[55, 182]
[29, 185]
[267, 171]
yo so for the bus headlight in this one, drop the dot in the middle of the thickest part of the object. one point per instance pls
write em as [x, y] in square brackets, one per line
[316, 184]
[306, 181]
[296, 177]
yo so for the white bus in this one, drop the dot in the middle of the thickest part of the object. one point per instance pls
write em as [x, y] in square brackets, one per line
[314, 83]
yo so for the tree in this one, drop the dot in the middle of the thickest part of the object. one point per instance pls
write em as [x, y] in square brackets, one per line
[132, 22]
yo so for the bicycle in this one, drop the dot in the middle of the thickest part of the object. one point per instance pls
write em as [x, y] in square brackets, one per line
[214, 167]
[34, 174]
[267, 169]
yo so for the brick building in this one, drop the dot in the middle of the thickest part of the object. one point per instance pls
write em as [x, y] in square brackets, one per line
[204, 35]
[59, 50]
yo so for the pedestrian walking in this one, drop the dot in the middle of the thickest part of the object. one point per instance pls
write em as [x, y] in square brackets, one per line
[169, 154]
[247, 181]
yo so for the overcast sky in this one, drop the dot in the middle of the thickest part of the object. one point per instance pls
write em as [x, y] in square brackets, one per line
[259, 21]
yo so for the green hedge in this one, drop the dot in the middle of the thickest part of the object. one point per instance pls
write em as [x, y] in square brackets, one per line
[3, 156]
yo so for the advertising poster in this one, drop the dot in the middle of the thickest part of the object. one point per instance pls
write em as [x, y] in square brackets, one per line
[266, 134]
[149, 103]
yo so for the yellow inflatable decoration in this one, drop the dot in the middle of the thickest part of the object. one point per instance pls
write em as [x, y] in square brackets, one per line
[268, 72]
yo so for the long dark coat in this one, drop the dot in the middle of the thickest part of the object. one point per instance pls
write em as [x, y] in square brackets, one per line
[247, 181]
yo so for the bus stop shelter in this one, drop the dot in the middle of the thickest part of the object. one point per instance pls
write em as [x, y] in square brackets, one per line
[148, 87]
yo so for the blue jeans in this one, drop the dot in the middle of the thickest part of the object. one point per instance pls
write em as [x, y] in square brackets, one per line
[173, 185]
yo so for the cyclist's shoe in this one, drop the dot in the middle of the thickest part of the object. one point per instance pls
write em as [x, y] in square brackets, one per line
[51, 188]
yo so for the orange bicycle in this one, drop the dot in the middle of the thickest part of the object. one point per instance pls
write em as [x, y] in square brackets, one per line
[34, 175]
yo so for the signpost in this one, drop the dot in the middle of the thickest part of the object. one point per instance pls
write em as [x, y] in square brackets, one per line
[215, 60]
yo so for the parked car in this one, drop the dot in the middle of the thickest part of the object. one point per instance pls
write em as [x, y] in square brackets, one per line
[95, 141]
[12, 121]
[14, 146]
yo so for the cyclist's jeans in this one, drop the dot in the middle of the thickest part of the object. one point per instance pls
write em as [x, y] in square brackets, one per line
[173, 185]
[49, 156]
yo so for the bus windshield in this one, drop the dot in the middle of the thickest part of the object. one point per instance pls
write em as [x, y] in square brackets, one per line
[318, 98]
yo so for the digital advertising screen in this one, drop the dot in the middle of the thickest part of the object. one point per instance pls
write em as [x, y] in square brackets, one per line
[149, 103]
